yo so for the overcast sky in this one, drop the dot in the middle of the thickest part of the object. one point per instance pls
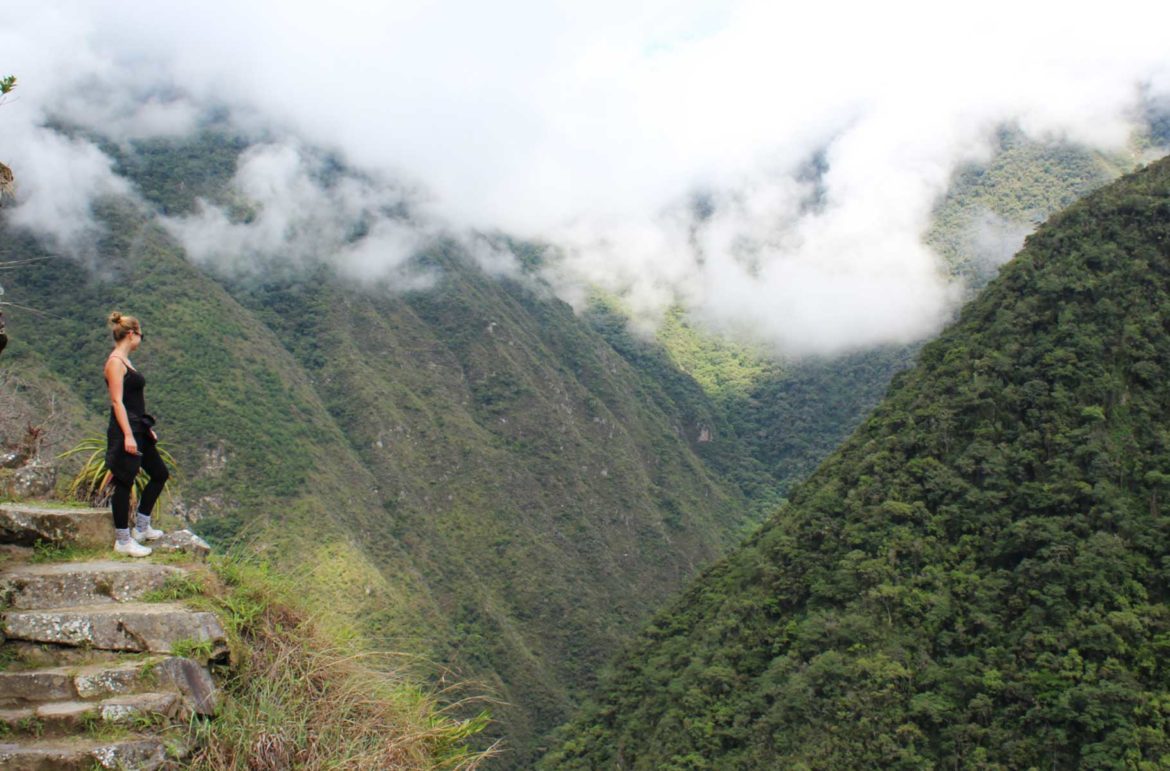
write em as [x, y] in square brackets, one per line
[595, 126]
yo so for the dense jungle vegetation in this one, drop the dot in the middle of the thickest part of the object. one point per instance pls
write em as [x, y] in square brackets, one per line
[978, 577]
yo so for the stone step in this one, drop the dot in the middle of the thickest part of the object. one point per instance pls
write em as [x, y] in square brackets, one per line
[24, 525]
[22, 656]
[71, 584]
[97, 681]
[61, 718]
[136, 626]
[141, 753]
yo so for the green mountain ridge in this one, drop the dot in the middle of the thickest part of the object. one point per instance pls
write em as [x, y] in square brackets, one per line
[478, 477]
[978, 577]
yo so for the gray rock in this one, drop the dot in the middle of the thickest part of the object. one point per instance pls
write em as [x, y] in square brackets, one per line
[37, 480]
[31, 655]
[193, 681]
[20, 689]
[11, 457]
[182, 541]
[18, 719]
[70, 584]
[144, 627]
[27, 688]
[24, 525]
[102, 680]
[127, 707]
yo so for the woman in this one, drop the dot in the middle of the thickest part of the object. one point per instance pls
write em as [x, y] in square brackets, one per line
[131, 442]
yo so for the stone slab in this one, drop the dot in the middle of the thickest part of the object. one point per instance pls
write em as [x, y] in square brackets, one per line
[24, 525]
[32, 655]
[127, 707]
[104, 680]
[17, 718]
[141, 627]
[140, 753]
[92, 681]
[37, 480]
[193, 681]
[185, 677]
[71, 584]
[61, 718]
[18, 689]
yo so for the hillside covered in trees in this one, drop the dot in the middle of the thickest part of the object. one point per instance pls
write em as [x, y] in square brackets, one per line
[471, 474]
[978, 577]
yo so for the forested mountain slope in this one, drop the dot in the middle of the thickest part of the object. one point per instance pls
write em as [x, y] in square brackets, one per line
[978, 577]
[549, 492]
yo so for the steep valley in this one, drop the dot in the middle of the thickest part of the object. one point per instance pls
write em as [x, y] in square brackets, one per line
[466, 472]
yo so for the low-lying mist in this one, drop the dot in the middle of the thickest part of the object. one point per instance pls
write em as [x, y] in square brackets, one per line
[771, 169]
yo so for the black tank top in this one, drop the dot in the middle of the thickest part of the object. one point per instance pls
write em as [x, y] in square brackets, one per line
[133, 398]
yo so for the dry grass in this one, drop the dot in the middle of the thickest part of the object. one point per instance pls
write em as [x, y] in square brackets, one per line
[296, 699]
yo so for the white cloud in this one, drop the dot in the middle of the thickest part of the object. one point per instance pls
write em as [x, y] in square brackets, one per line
[287, 210]
[594, 125]
[57, 181]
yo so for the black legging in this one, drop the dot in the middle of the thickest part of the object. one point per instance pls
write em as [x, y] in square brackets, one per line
[152, 464]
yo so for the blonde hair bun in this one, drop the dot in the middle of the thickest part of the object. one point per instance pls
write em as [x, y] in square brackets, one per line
[122, 325]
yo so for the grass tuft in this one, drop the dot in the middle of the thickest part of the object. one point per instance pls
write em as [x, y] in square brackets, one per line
[294, 697]
[178, 586]
[196, 650]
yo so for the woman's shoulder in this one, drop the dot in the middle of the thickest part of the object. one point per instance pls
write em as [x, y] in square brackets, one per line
[116, 365]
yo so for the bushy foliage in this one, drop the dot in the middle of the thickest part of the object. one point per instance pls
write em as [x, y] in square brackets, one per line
[979, 577]
[93, 482]
[990, 206]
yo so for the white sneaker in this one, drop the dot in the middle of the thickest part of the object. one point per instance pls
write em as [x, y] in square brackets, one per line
[149, 534]
[132, 547]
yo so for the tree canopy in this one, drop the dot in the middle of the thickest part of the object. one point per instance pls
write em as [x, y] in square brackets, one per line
[979, 577]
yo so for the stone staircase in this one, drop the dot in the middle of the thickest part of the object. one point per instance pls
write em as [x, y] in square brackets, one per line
[90, 671]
